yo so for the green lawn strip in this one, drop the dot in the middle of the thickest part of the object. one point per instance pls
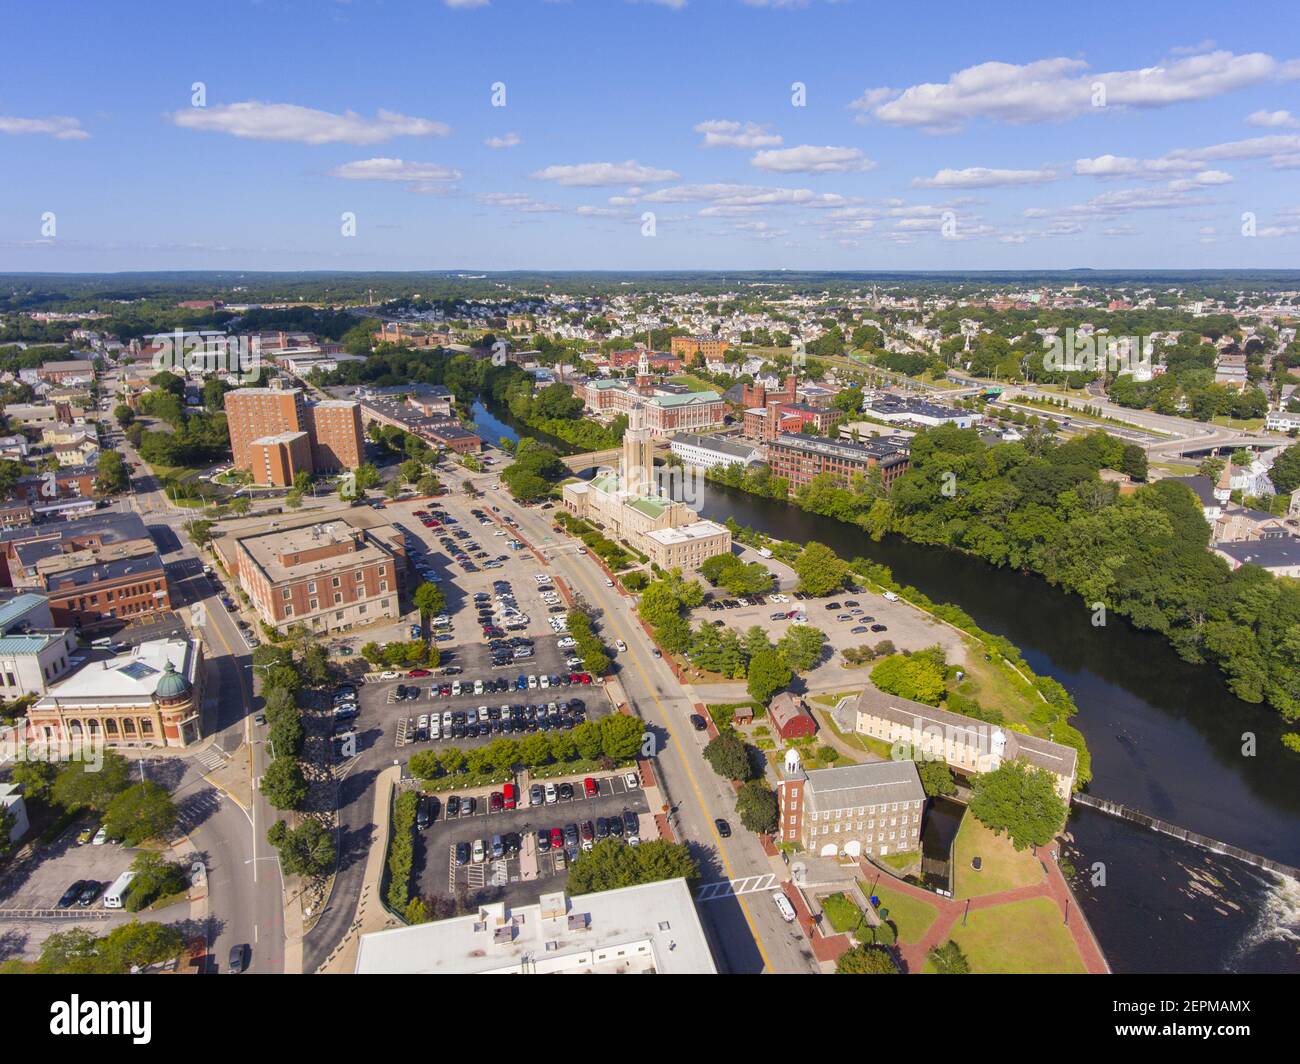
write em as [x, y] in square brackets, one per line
[1002, 866]
[1026, 937]
[911, 916]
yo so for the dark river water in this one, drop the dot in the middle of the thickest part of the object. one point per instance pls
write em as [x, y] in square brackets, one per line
[1166, 738]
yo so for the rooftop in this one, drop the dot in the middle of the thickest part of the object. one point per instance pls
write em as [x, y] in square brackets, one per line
[651, 927]
[686, 533]
[129, 678]
[873, 783]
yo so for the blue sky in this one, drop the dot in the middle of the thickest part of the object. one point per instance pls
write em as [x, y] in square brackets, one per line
[950, 136]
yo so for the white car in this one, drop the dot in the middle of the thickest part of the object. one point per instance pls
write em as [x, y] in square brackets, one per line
[389, 675]
[446, 719]
[434, 731]
[455, 687]
[619, 645]
[609, 582]
[544, 681]
[567, 643]
[101, 837]
[498, 532]
[480, 851]
[552, 794]
[532, 683]
[632, 780]
[423, 721]
[478, 687]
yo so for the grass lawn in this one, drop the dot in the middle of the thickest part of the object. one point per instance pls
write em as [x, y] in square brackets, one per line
[911, 916]
[1252, 424]
[995, 685]
[694, 383]
[1026, 937]
[1003, 867]
[843, 914]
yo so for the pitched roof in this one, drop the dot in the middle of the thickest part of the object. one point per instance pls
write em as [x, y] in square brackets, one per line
[874, 783]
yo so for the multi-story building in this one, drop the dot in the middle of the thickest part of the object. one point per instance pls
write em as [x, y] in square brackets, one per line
[630, 508]
[967, 745]
[73, 370]
[30, 553]
[33, 652]
[709, 452]
[149, 696]
[800, 458]
[277, 459]
[104, 592]
[689, 347]
[647, 928]
[327, 576]
[664, 410]
[873, 809]
[334, 438]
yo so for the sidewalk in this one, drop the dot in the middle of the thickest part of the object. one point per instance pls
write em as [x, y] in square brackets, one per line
[370, 914]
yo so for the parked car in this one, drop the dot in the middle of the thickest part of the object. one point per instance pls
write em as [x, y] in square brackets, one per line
[589, 787]
[698, 722]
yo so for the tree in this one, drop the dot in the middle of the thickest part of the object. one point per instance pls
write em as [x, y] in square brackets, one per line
[307, 850]
[757, 806]
[948, 959]
[78, 786]
[429, 599]
[315, 664]
[728, 756]
[111, 473]
[286, 734]
[34, 779]
[155, 877]
[801, 646]
[141, 812]
[1285, 473]
[611, 863]
[768, 674]
[620, 735]
[1020, 800]
[913, 676]
[283, 783]
[936, 778]
[820, 571]
[867, 960]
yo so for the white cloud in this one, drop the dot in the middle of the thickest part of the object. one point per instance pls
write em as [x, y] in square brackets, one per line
[984, 177]
[465, 4]
[1273, 119]
[253, 120]
[722, 133]
[509, 140]
[1124, 166]
[731, 195]
[423, 177]
[60, 127]
[1061, 88]
[811, 159]
[517, 201]
[590, 175]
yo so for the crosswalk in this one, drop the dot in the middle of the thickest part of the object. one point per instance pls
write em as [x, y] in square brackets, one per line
[211, 759]
[732, 888]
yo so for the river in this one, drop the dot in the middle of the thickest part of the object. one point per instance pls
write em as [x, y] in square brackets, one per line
[1166, 737]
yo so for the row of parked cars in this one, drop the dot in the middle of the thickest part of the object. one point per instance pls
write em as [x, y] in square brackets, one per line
[567, 839]
[501, 720]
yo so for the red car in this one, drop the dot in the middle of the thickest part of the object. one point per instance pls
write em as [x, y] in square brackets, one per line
[495, 802]
[589, 787]
[557, 839]
[509, 796]
[420, 513]
[584, 677]
[417, 673]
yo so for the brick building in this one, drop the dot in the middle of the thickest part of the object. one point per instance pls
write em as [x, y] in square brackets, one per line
[688, 347]
[874, 809]
[790, 717]
[104, 592]
[328, 576]
[800, 458]
[264, 424]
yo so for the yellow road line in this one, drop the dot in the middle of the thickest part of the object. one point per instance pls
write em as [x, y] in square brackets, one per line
[699, 797]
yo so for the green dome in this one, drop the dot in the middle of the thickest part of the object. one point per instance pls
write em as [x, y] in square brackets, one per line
[172, 684]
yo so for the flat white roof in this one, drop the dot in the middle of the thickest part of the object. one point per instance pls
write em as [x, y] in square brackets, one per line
[650, 927]
[684, 533]
[129, 678]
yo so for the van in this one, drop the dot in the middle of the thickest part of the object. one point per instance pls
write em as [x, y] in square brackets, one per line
[784, 907]
[890, 596]
[114, 896]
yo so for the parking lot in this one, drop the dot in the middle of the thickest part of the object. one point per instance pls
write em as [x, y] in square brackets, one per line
[520, 876]
[62, 863]
[849, 619]
[519, 605]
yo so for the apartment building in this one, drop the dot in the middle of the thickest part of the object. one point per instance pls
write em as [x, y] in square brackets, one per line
[689, 347]
[800, 458]
[874, 809]
[265, 423]
[328, 576]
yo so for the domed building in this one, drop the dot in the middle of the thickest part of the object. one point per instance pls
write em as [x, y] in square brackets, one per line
[149, 696]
